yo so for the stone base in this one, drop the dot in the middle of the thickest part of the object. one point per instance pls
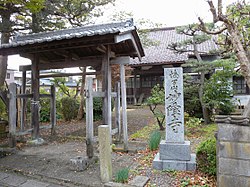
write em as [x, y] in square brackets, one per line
[35, 142]
[181, 165]
[80, 163]
[175, 151]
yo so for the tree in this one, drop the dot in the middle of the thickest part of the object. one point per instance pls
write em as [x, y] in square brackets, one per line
[156, 99]
[81, 106]
[236, 26]
[43, 15]
[218, 89]
[143, 27]
[9, 8]
[190, 45]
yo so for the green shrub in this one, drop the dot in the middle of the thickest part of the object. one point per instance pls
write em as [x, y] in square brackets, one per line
[69, 108]
[3, 113]
[154, 140]
[206, 156]
[122, 175]
[45, 110]
[193, 122]
[97, 107]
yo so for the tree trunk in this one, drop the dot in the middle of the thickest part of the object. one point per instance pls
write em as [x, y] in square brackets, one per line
[81, 110]
[205, 111]
[5, 36]
[242, 56]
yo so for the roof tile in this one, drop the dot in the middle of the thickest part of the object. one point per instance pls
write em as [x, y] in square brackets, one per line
[160, 54]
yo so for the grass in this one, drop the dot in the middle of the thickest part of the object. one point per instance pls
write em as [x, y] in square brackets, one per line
[122, 175]
[204, 131]
[154, 140]
[145, 132]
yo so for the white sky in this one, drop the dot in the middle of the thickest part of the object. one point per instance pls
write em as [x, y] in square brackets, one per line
[168, 12]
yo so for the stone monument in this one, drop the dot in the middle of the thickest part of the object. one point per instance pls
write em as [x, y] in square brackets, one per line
[175, 152]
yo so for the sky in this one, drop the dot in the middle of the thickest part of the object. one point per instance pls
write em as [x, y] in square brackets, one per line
[167, 12]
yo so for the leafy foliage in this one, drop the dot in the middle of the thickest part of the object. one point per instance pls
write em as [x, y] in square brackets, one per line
[154, 140]
[218, 89]
[143, 25]
[122, 175]
[192, 104]
[97, 107]
[69, 108]
[2, 110]
[157, 98]
[45, 110]
[206, 156]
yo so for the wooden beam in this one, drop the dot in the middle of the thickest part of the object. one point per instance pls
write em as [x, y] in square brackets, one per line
[101, 48]
[53, 109]
[66, 74]
[121, 60]
[128, 36]
[12, 115]
[23, 101]
[88, 61]
[35, 100]
[60, 44]
[89, 117]
[124, 107]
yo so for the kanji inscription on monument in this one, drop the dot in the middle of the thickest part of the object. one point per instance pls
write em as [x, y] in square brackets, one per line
[174, 104]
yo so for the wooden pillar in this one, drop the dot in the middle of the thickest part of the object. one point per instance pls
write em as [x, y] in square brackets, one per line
[12, 114]
[89, 118]
[124, 106]
[118, 110]
[23, 101]
[53, 109]
[134, 89]
[35, 100]
[106, 86]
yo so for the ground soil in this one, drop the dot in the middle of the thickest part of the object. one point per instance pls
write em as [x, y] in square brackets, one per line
[52, 160]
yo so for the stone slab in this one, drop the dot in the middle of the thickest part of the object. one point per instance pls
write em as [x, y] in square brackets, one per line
[3, 175]
[116, 184]
[33, 183]
[175, 151]
[234, 150]
[229, 166]
[139, 181]
[233, 133]
[233, 181]
[13, 180]
[175, 164]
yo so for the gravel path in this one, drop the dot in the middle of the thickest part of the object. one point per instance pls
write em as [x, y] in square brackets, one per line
[52, 160]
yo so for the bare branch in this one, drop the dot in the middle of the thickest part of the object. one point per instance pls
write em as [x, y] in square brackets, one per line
[220, 8]
[213, 11]
[204, 28]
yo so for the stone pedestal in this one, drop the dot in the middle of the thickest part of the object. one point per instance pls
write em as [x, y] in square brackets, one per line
[175, 152]
[175, 156]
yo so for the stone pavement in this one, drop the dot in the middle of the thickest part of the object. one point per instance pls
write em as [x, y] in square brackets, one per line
[10, 179]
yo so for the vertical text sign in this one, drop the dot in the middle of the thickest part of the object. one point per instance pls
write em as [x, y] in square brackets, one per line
[174, 104]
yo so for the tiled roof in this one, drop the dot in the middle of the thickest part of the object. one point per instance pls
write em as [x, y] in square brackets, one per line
[160, 54]
[101, 29]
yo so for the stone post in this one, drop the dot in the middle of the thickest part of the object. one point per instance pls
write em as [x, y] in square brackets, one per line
[175, 152]
[105, 153]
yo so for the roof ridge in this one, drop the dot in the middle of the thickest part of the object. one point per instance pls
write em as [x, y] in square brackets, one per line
[125, 23]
